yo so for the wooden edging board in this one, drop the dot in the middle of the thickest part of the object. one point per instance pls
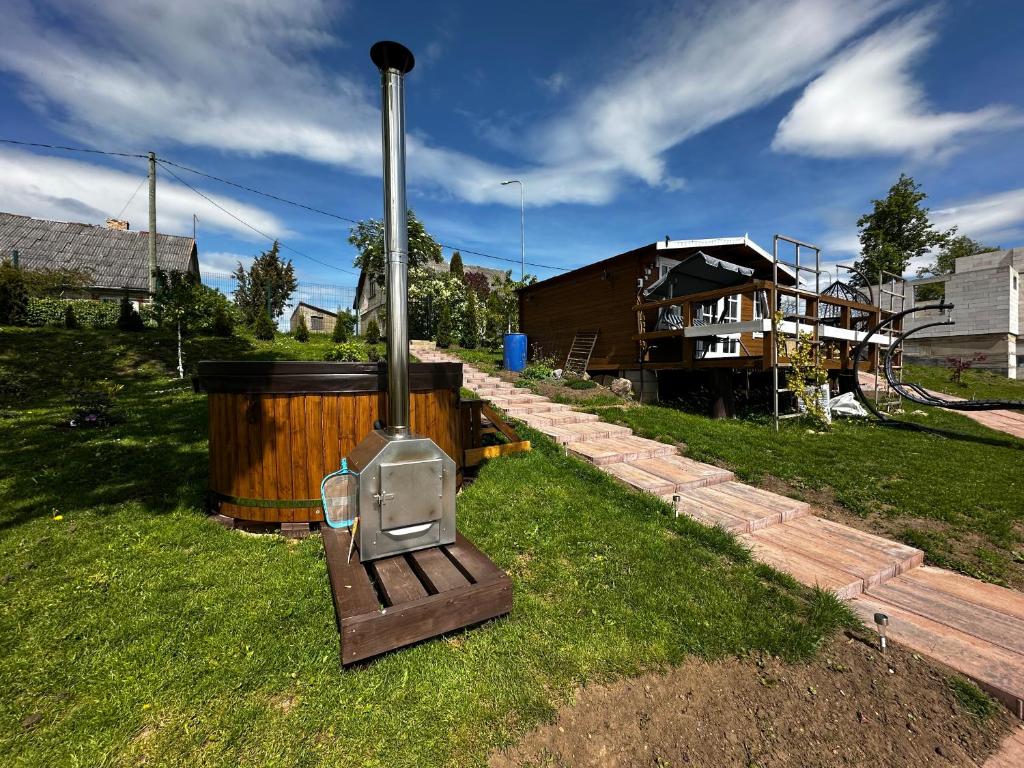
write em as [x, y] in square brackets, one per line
[396, 601]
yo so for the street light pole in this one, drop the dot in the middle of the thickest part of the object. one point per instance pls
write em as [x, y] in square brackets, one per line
[522, 225]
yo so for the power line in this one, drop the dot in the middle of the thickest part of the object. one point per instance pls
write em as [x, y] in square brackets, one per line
[339, 217]
[253, 190]
[121, 212]
[260, 232]
[71, 149]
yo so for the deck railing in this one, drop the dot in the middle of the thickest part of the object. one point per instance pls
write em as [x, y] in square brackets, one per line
[839, 327]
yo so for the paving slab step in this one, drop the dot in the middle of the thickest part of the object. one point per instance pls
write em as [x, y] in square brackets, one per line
[995, 669]
[815, 545]
[685, 474]
[515, 410]
[804, 569]
[632, 475]
[550, 418]
[595, 430]
[739, 508]
[618, 449]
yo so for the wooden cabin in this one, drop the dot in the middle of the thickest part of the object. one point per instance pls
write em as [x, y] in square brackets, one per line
[690, 305]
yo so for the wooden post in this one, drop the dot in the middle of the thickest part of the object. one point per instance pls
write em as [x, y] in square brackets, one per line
[721, 381]
[152, 224]
[688, 345]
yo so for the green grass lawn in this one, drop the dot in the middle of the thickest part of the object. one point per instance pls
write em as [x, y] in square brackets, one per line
[134, 630]
[974, 384]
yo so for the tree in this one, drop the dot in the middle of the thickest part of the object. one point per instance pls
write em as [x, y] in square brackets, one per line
[471, 323]
[13, 295]
[70, 321]
[302, 332]
[128, 318]
[955, 248]
[372, 332]
[368, 239]
[178, 301]
[896, 231]
[456, 268]
[270, 280]
[55, 282]
[444, 327]
[263, 328]
[343, 327]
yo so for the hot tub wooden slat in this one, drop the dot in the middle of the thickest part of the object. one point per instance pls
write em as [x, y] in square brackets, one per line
[269, 444]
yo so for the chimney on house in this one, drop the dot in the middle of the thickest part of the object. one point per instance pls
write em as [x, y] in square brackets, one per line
[117, 224]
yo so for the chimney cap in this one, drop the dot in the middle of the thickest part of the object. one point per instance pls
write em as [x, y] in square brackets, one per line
[387, 54]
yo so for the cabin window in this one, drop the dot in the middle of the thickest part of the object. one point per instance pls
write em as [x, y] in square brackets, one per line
[759, 301]
[725, 310]
[316, 322]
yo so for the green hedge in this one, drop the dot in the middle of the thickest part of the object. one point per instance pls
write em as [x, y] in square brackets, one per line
[89, 313]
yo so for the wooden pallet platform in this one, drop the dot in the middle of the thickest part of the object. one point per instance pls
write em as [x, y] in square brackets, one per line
[396, 601]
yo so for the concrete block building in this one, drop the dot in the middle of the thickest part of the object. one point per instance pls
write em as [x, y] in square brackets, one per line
[988, 312]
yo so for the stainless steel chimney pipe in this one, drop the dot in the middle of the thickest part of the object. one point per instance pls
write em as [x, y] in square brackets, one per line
[394, 61]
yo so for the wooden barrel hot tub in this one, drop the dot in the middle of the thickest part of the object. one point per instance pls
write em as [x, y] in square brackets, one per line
[276, 428]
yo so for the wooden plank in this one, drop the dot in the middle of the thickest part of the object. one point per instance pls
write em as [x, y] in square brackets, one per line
[499, 422]
[363, 637]
[351, 590]
[475, 455]
[472, 562]
[397, 581]
[436, 570]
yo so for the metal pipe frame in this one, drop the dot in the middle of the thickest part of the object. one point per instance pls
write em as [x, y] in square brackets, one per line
[394, 61]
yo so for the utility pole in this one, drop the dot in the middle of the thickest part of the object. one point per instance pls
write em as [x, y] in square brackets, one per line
[152, 224]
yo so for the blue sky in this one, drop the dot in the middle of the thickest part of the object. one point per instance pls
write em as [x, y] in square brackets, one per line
[625, 123]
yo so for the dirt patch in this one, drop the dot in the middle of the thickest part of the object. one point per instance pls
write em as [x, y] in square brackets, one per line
[844, 708]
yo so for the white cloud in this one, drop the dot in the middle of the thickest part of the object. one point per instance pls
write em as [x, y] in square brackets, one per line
[988, 218]
[222, 262]
[242, 76]
[868, 103]
[996, 219]
[70, 190]
[554, 83]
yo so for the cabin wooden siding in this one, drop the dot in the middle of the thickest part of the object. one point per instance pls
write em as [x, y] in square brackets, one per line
[600, 297]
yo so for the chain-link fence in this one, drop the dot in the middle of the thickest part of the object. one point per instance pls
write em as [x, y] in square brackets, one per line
[321, 295]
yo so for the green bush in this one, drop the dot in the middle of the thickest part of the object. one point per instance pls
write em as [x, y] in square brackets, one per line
[128, 318]
[263, 328]
[372, 332]
[223, 322]
[302, 332]
[88, 313]
[581, 384]
[348, 352]
[13, 295]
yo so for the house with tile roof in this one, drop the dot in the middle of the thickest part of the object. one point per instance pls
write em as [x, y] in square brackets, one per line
[115, 258]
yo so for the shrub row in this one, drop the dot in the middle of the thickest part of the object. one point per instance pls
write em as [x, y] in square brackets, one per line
[88, 313]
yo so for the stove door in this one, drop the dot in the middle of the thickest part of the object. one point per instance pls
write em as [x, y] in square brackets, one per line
[411, 493]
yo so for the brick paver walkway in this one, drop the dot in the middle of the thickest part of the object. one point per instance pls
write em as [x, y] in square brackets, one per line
[973, 627]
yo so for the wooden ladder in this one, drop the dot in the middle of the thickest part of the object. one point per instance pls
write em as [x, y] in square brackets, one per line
[580, 351]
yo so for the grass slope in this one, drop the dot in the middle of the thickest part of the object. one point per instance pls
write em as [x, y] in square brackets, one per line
[134, 630]
[974, 384]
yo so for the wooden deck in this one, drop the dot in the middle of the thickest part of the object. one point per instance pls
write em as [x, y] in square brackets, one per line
[396, 601]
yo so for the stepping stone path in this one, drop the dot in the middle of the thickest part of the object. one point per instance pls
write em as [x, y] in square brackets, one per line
[974, 627]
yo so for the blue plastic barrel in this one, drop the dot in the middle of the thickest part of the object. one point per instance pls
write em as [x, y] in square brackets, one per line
[515, 351]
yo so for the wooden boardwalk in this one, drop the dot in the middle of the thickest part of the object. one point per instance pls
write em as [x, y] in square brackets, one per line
[968, 625]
